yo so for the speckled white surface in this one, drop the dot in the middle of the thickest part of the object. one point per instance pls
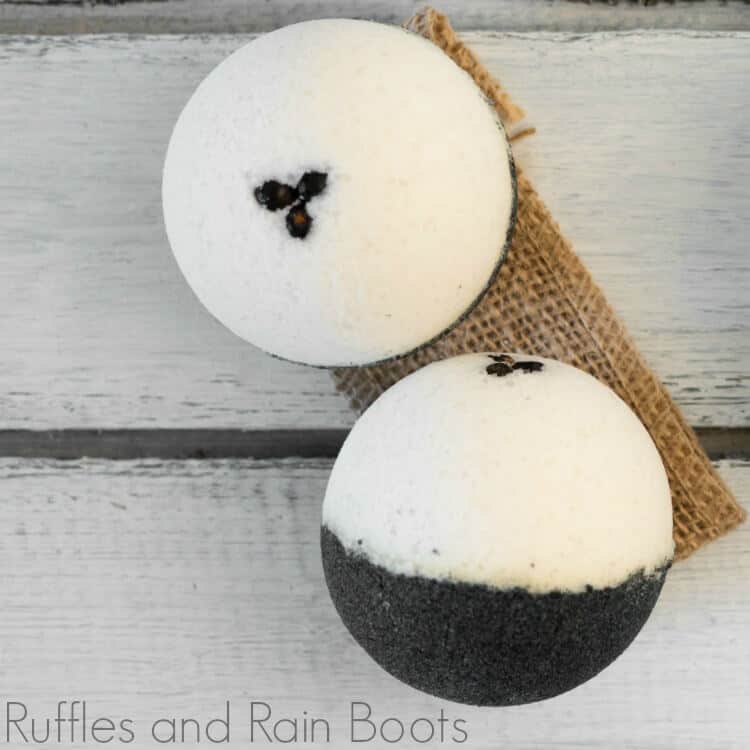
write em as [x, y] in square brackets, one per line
[544, 480]
[411, 225]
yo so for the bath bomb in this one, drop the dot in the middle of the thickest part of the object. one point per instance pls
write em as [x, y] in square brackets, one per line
[496, 529]
[338, 192]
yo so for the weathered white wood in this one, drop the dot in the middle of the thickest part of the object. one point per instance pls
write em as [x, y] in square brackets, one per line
[152, 589]
[645, 163]
[642, 153]
[191, 16]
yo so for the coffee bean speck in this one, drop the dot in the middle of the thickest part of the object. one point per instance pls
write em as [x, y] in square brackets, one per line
[499, 369]
[504, 364]
[505, 358]
[311, 185]
[275, 195]
[298, 221]
[528, 366]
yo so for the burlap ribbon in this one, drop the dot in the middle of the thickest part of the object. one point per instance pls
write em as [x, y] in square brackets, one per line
[545, 302]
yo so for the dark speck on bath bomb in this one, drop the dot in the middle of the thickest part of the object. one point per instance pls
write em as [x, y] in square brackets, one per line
[311, 185]
[275, 195]
[298, 221]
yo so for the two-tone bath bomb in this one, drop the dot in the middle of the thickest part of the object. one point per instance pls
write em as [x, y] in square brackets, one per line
[338, 192]
[496, 529]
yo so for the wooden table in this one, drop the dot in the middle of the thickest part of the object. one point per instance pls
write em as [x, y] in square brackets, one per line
[151, 585]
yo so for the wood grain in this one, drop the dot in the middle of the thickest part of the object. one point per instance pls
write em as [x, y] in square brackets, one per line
[248, 16]
[164, 588]
[642, 154]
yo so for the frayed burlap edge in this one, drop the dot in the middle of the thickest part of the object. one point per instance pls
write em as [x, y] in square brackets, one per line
[545, 302]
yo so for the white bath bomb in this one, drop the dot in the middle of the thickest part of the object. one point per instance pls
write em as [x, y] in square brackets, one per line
[497, 528]
[411, 208]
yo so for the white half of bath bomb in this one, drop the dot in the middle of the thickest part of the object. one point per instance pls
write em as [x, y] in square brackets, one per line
[544, 480]
[413, 221]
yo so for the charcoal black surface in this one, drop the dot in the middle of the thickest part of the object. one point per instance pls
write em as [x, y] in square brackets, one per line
[478, 645]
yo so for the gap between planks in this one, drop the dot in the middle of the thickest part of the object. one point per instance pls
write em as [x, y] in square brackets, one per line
[253, 16]
[180, 444]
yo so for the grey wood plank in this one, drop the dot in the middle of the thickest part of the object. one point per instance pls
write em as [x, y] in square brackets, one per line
[250, 16]
[189, 443]
[156, 589]
[99, 330]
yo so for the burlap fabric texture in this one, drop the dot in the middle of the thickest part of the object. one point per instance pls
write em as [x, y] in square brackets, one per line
[545, 302]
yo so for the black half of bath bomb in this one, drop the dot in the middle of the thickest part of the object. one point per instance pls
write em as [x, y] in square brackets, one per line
[479, 645]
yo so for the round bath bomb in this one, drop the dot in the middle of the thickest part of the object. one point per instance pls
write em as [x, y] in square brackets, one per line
[338, 192]
[496, 529]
